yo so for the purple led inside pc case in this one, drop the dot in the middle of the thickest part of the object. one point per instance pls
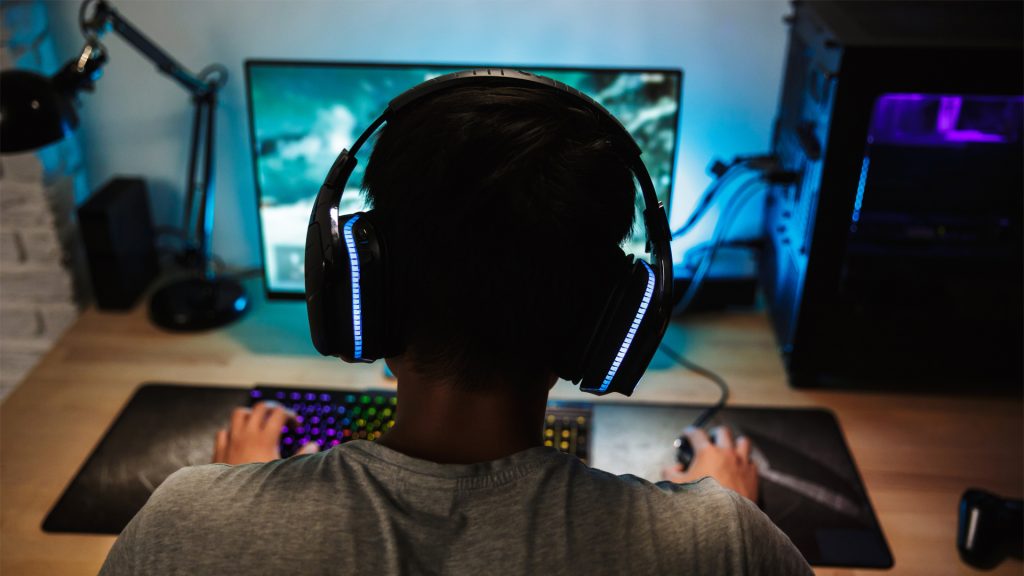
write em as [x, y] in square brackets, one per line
[936, 147]
[946, 119]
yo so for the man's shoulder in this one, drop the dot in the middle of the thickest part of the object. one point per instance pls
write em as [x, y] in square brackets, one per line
[697, 527]
[705, 492]
[208, 483]
[663, 505]
[192, 476]
[198, 479]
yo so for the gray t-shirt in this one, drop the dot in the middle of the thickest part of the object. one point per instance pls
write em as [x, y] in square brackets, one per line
[364, 508]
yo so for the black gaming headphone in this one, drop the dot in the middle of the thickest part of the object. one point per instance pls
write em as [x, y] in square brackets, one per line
[347, 278]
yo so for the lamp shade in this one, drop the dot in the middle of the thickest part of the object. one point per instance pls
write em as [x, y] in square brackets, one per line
[33, 113]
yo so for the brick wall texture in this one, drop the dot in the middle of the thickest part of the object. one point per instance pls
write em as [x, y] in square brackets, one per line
[38, 193]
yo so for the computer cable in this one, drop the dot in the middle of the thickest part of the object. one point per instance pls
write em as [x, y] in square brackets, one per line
[684, 449]
[724, 173]
[743, 194]
[692, 257]
[708, 413]
[728, 215]
[769, 175]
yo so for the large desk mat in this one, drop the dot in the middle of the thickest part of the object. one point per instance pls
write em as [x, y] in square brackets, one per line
[810, 486]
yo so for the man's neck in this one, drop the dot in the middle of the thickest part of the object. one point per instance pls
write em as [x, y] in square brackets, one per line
[443, 423]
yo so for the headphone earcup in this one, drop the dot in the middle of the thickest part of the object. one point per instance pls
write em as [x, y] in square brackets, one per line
[627, 337]
[346, 290]
[363, 308]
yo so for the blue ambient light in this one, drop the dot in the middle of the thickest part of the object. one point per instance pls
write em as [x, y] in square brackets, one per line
[860, 189]
[644, 304]
[357, 304]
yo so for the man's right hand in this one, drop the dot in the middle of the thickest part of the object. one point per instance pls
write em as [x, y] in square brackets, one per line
[726, 461]
[253, 435]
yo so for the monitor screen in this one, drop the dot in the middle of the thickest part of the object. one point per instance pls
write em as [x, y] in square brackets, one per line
[302, 114]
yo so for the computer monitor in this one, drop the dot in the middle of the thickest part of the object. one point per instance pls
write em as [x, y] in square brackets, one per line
[301, 115]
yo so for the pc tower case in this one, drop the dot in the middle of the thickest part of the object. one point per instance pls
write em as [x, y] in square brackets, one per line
[896, 260]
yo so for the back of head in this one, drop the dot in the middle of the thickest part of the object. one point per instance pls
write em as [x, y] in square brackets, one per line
[503, 208]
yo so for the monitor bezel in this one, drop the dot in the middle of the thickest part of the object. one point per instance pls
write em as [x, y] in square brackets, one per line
[249, 63]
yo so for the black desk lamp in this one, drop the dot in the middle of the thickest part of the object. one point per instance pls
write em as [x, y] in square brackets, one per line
[36, 111]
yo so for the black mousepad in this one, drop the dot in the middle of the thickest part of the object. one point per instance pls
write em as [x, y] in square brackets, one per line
[809, 483]
[810, 486]
[162, 428]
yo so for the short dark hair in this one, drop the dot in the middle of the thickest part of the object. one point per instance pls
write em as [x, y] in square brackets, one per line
[504, 209]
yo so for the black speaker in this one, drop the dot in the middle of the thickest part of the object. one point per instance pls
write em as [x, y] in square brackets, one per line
[117, 230]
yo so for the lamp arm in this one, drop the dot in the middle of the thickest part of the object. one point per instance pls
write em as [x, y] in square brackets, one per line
[198, 221]
[95, 18]
[106, 16]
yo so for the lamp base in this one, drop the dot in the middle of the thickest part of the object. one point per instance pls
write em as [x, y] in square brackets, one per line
[195, 304]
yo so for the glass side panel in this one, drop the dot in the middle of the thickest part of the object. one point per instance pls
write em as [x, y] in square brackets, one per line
[946, 119]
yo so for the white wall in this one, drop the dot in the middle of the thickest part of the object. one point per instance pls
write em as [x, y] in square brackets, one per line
[137, 121]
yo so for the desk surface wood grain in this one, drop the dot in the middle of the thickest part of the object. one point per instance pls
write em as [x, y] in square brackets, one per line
[916, 453]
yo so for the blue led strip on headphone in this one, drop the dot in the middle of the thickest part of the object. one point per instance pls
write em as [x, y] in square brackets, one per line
[644, 304]
[357, 304]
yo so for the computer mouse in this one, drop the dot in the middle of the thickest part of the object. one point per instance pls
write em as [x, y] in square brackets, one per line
[989, 529]
[684, 449]
[685, 453]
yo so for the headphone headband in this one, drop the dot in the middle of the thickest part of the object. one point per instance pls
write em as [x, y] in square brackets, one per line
[507, 77]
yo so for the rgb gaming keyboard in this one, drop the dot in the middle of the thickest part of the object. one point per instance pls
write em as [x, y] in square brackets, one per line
[333, 417]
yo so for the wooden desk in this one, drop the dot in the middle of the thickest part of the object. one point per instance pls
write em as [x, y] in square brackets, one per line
[916, 453]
